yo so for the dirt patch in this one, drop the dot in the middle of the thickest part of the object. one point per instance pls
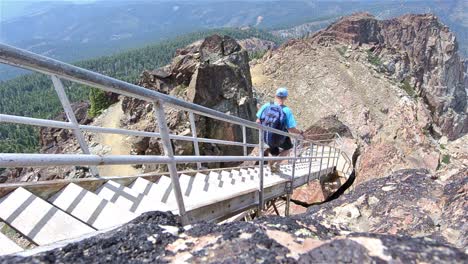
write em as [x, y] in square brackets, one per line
[118, 144]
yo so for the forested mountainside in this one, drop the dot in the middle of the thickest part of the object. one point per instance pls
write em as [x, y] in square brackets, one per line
[33, 95]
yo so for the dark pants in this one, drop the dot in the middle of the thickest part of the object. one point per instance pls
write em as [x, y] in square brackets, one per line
[286, 145]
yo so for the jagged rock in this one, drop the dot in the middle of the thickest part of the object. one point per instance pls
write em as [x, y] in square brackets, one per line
[256, 44]
[407, 202]
[455, 205]
[53, 139]
[420, 52]
[367, 73]
[214, 73]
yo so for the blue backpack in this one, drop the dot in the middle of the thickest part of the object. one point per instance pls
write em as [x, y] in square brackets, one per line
[273, 116]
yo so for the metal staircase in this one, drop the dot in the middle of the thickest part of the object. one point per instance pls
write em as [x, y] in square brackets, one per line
[59, 210]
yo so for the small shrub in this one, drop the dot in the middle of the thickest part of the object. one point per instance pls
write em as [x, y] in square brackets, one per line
[257, 54]
[406, 86]
[342, 50]
[375, 60]
[180, 90]
[442, 146]
[99, 102]
[446, 159]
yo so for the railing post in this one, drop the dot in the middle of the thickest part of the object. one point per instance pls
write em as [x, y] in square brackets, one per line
[329, 155]
[321, 161]
[291, 184]
[169, 152]
[310, 161]
[193, 127]
[339, 149]
[244, 140]
[316, 150]
[261, 171]
[58, 86]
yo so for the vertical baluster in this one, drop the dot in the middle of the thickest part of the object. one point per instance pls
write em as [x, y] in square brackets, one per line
[291, 184]
[261, 171]
[339, 155]
[195, 138]
[310, 161]
[321, 161]
[169, 152]
[334, 154]
[317, 150]
[244, 140]
[329, 156]
[340, 147]
[58, 85]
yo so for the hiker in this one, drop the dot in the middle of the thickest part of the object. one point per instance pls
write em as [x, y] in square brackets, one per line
[277, 115]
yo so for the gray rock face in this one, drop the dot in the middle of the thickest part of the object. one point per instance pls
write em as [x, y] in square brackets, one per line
[417, 50]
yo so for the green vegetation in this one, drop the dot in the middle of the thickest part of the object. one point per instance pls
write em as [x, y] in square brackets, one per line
[33, 95]
[98, 101]
[446, 159]
[256, 54]
[342, 50]
[406, 86]
[375, 60]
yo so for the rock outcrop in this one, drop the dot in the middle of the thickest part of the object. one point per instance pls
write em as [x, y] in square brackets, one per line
[214, 73]
[407, 217]
[417, 50]
[54, 141]
[409, 202]
[257, 45]
[396, 84]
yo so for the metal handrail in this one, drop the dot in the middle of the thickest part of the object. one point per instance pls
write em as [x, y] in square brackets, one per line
[27, 60]
[59, 70]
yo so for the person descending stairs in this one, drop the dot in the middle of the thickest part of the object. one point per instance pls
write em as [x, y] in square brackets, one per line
[278, 116]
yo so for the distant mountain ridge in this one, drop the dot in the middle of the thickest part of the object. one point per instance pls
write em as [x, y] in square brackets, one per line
[71, 32]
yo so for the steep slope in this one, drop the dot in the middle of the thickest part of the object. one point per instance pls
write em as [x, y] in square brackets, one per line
[418, 50]
[396, 94]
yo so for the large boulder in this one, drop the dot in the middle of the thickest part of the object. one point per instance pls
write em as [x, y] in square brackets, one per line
[214, 73]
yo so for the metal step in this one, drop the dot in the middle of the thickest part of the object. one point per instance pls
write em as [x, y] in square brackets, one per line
[128, 199]
[38, 220]
[157, 191]
[7, 246]
[186, 184]
[90, 208]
